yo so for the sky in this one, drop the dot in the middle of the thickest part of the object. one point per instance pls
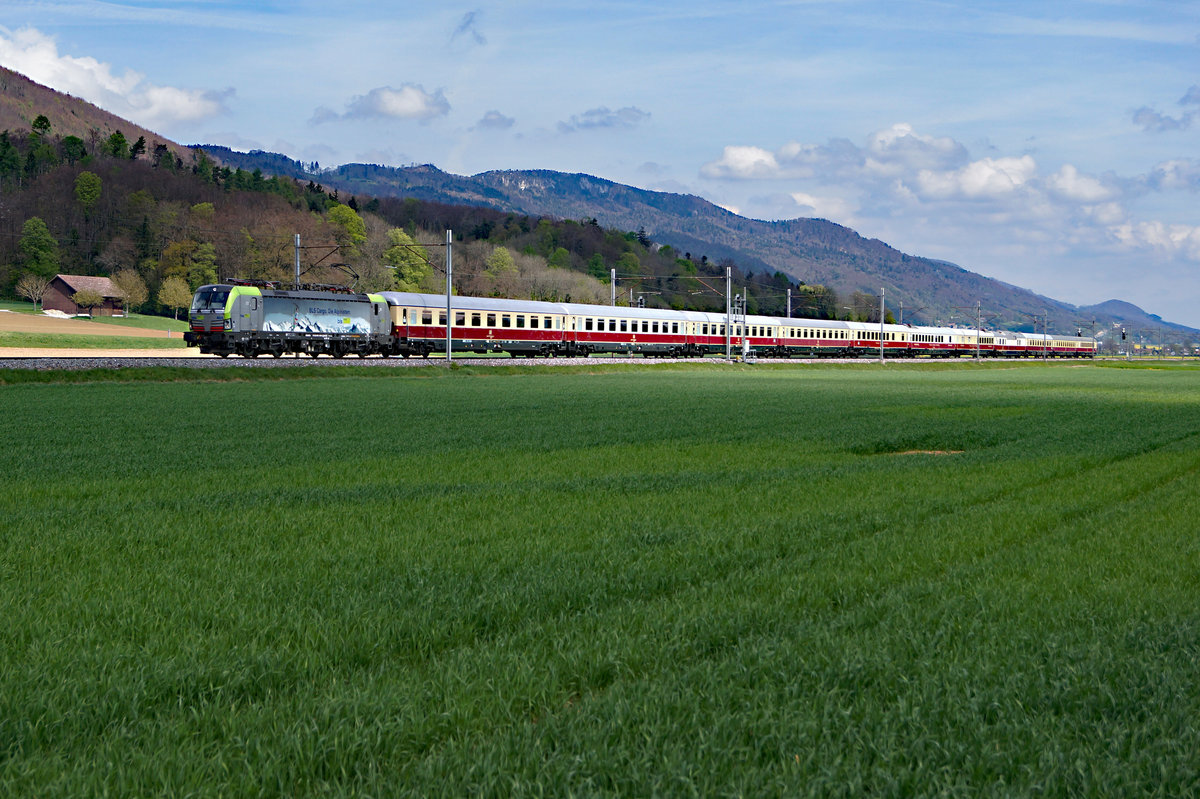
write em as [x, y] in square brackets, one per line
[1052, 145]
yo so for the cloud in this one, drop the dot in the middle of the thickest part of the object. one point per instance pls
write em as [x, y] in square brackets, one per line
[982, 179]
[1068, 184]
[603, 118]
[1176, 174]
[410, 101]
[927, 194]
[900, 149]
[468, 28]
[832, 208]
[1152, 121]
[743, 162]
[36, 55]
[494, 120]
[889, 153]
[1171, 240]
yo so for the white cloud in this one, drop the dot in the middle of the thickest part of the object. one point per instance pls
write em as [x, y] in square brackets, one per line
[743, 162]
[982, 179]
[899, 150]
[1171, 240]
[410, 101]
[129, 95]
[1177, 174]
[834, 209]
[1070, 185]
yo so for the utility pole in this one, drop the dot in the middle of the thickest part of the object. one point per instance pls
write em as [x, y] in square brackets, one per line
[296, 285]
[728, 311]
[449, 292]
[789, 304]
[612, 287]
[881, 310]
[978, 328]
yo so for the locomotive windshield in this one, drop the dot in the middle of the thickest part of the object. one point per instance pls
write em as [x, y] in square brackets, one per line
[210, 297]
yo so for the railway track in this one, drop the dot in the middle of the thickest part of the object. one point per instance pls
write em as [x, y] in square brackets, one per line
[77, 362]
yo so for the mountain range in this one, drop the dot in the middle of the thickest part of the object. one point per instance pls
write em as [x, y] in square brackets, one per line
[815, 251]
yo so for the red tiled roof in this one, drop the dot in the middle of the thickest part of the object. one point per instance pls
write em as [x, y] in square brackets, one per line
[101, 285]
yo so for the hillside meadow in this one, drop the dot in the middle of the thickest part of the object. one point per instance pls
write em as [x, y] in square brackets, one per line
[952, 580]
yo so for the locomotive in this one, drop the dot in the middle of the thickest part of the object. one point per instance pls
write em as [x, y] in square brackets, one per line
[250, 320]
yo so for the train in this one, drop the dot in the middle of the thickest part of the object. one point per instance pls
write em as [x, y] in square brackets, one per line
[252, 320]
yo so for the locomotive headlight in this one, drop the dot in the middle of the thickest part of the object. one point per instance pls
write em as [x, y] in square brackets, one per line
[229, 324]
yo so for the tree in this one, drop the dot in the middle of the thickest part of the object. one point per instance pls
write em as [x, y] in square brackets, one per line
[175, 294]
[628, 264]
[87, 191]
[116, 145]
[87, 298]
[203, 269]
[32, 286]
[39, 248]
[500, 263]
[40, 125]
[409, 259]
[559, 259]
[73, 149]
[191, 261]
[130, 288]
[349, 230]
[10, 159]
[138, 148]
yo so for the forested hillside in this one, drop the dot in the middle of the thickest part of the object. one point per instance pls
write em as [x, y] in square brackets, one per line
[166, 224]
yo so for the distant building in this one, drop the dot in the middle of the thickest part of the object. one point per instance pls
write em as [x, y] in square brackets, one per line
[58, 295]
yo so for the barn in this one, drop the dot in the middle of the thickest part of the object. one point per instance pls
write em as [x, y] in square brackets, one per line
[58, 295]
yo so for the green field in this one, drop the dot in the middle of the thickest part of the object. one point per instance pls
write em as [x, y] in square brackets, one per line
[88, 341]
[701, 580]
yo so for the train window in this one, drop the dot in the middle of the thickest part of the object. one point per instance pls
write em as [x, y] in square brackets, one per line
[427, 317]
[520, 320]
[674, 327]
[441, 318]
[474, 320]
[533, 321]
[624, 325]
[612, 325]
[654, 326]
[491, 320]
[505, 320]
[460, 318]
[587, 324]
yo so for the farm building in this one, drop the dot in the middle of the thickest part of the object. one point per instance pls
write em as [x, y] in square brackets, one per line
[58, 295]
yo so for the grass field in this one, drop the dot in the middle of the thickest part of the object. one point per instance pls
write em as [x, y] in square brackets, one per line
[703, 580]
[88, 342]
